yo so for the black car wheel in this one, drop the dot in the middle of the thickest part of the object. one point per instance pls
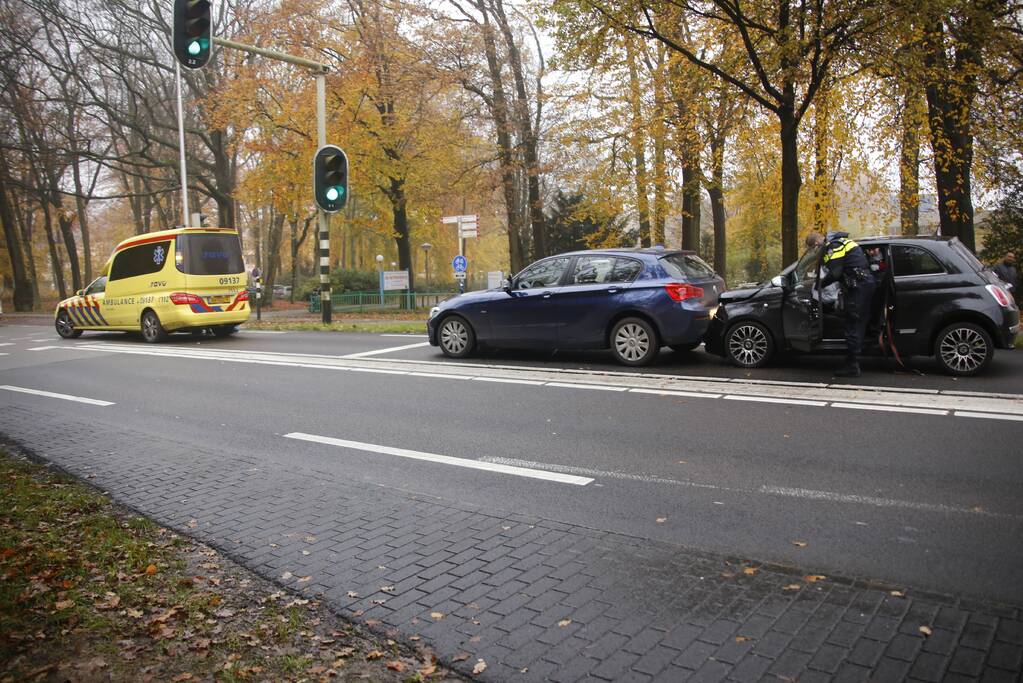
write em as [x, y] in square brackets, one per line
[963, 349]
[748, 344]
[66, 327]
[152, 330]
[634, 342]
[456, 337]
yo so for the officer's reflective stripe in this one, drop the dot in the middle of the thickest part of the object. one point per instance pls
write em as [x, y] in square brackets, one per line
[841, 251]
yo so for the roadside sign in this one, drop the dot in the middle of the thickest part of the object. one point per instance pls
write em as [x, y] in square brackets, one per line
[460, 276]
[395, 279]
[468, 230]
[459, 263]
[468, 218]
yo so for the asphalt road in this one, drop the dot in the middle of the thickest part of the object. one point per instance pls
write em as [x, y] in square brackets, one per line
[880, 487]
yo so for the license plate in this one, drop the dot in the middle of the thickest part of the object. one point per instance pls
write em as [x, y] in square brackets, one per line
[219, 299]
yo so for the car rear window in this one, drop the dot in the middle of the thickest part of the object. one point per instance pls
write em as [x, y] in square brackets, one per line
[959, 248]
[914, 261]
[686, 266]
[209, 254]
[143, 259]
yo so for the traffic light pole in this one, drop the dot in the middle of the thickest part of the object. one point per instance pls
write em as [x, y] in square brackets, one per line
[324, 217]
[181, 148]
[321, 134]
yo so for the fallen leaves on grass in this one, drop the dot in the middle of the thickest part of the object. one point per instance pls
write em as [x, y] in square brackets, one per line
[396, 665]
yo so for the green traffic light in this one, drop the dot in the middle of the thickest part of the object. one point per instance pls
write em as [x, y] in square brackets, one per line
[334, 193]
[194, 48]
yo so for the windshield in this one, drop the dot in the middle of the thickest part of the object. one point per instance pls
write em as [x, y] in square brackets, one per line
[806, 267]
[686, 266]
[209, 254]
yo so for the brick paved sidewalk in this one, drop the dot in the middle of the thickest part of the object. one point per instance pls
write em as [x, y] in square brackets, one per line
[535, 599]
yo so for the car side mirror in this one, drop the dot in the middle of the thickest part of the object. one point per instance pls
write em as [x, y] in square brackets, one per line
[506, 285]
[80, 292]
[777, 281]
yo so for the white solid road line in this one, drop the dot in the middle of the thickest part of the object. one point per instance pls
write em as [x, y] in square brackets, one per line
[892, 401]
[377, 352]
[444, 459]
[408, 336]
[890, 409]
[7, 344]
[783, 491]
[50, 394]
[990, 416]
[43, 348]
[598, 387]
[784, 401]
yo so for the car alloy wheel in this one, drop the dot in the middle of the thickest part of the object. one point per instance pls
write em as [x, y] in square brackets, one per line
[963, 349]
[152, 330]
[456, 337]
[65, 327]
[634, 342]
[748, 345]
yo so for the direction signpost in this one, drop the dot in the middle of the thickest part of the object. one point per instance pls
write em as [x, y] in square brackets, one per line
[467, 226]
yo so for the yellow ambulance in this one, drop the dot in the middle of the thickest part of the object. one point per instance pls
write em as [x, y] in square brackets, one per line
[161, 282]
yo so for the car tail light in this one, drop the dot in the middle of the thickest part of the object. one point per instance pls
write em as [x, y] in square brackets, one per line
[1003, 299]
[680, 292]
[243, 295]
[181, 298]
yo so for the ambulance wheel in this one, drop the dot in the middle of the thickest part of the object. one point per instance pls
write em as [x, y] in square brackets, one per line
[748, 344]
[65, 326]
[224, 330]
[963, 349]
[152, 330]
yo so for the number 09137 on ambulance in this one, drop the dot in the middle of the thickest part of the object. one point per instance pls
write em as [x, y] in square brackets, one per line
[162, 282]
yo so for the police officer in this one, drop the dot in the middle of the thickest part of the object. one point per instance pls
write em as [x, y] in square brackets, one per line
[848, 265]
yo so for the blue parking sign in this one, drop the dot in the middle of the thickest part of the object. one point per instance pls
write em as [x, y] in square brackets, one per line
[459, 263]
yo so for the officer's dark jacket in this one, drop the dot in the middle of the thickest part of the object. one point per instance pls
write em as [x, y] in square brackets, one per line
[842, 256]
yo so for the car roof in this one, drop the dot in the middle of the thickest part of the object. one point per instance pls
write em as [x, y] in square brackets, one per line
[630, 251]
[905, 238]
[166, 234]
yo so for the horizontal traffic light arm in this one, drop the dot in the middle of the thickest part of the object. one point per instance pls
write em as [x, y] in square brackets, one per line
[280, 56]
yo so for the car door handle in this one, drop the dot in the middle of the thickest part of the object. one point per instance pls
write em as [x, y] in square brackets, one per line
[804, 301]
[612, 290]
[546, 295]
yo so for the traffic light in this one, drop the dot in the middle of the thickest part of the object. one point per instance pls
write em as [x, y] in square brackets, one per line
[193, 24]
[330, 178]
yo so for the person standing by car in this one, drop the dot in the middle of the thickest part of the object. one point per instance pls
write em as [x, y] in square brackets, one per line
[1006, 271]
[848, 265]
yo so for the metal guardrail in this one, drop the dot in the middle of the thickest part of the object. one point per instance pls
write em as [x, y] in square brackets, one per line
[370, 301]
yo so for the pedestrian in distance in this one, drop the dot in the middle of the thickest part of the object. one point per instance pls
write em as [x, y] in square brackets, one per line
[847, 264]
[1007, 273]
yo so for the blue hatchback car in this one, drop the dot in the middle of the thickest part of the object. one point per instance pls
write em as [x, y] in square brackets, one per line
[632, 301]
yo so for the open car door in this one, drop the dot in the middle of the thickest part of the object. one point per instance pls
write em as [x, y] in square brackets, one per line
[801, 309]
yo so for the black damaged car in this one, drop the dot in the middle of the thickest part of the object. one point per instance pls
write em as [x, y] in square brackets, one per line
[934, 298]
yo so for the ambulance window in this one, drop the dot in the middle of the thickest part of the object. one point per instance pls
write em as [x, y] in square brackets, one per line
[209, 254]
[98, 285]
[140, 260]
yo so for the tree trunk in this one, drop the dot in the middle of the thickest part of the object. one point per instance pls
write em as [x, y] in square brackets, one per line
[717, 203]
[790, 179]
[83, 221]
[499, 111]
[22, 294]
[296, 244]
[637, 141]
[58, 268]
[527, 136]
[65, 220]
[396, 194]
[909, 164]
[660, 154]
[823, 214]
[274, 241]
